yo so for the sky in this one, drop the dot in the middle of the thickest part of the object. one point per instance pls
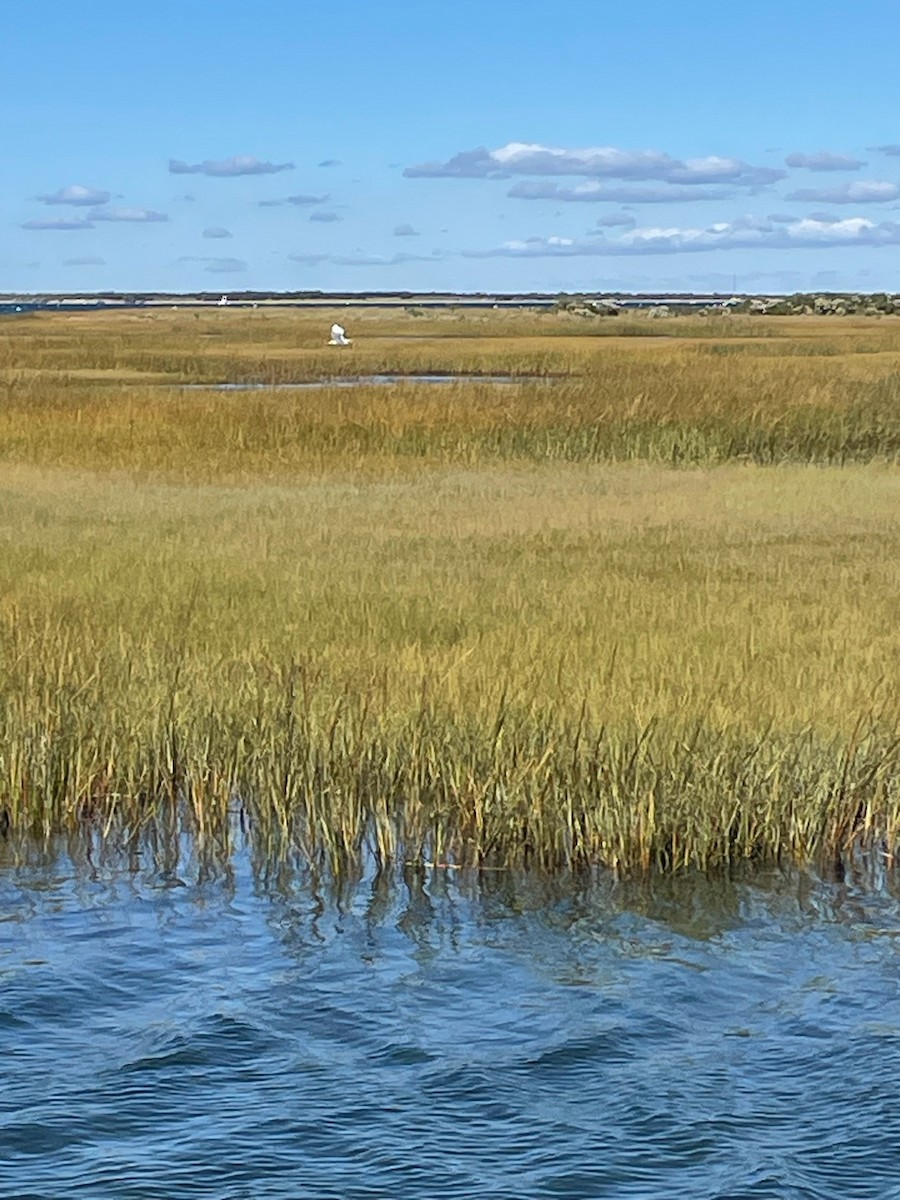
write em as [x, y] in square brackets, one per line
[450, 145]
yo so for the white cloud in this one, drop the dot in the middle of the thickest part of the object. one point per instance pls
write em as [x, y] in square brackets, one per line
[240, 164]
[531, 189]
[76, 194]
[864, 191]
[137, 215]
[747, 233]
[892, 151]
[326, 218]
[89, 260]
[217, 231]
[608, 162]
[405, 231]
[824, 160]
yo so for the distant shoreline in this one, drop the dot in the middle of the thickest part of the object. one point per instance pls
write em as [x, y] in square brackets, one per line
[769, 303]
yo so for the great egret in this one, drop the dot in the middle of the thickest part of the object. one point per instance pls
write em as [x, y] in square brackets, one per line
[339, 336]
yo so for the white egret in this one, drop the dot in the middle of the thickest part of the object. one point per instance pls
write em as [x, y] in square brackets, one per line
[339, 336]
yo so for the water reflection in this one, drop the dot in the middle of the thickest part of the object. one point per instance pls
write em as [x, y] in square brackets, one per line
[183, 1017]
[166, 853]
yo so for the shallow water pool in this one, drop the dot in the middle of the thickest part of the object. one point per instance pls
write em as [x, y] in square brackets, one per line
[366, 381]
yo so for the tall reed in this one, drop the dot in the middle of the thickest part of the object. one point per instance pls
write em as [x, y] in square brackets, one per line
[480, 624]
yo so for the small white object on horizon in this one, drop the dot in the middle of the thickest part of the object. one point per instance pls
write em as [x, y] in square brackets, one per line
[339, 336]
[224, 300]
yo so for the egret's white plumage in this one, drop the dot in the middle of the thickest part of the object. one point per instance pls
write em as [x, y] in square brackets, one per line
[339, 336]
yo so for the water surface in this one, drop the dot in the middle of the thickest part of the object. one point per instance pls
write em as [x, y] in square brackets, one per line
[175, 1030]
[365, 381]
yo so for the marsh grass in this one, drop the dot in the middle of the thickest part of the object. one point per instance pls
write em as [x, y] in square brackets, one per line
[101, 392]
[479, 625]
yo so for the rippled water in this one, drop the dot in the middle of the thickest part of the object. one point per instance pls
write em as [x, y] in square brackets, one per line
[175, 1033]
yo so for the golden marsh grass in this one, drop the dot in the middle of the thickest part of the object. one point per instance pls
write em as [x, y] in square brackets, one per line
[643, 615]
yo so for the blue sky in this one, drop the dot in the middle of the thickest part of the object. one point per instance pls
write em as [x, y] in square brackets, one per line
[451, 145]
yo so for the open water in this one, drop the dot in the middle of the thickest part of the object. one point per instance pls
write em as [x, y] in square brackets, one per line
[363, 381]
[178, 1031]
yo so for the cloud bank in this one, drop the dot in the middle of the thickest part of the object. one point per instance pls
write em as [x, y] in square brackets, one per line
[600, 162]
[532, 189]
[76, 194]
[240, 164]
[136, 215]
[824, 160]
[748, 233]
[866, 191]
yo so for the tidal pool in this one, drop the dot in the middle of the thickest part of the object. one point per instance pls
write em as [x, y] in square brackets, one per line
[173, 1028]
[366, 381]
